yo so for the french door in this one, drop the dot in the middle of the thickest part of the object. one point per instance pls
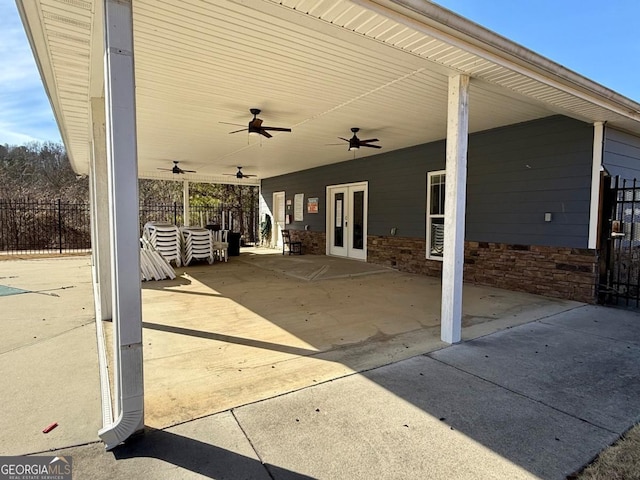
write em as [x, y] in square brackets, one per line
[347, 220]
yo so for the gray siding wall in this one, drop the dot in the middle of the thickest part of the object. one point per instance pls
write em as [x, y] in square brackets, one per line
[621, 154]
[515, 175]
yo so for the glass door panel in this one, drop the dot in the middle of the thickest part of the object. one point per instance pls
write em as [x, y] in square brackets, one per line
[347, 220]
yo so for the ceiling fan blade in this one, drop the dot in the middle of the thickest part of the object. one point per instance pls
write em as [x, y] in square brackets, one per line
[368, 141]
[370, 146]
[339, 144]
[237, 124]
[342, 138]
[276, 129]
[257, 123]
[188, 171]
[265, 133]
[241, 130]
[166, 169]
[248, 176]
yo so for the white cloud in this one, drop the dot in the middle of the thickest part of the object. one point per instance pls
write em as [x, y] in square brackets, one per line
[16, 138]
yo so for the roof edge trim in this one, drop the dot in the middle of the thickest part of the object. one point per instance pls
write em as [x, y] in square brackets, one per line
[45, 71]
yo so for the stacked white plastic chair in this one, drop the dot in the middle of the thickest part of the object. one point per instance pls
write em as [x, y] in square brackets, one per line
[153, 266]
[220, 243]
[165, 238]
[196, 244]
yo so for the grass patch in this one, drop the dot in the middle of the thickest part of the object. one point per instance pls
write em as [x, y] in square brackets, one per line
[621, 461]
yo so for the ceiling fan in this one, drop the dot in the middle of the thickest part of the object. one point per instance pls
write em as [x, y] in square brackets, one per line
[355, 143]
[176, 169]
[255, 126]
[239, 174]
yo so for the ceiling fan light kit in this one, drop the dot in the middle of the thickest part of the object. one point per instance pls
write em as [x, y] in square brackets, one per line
[355, 143]
[240, 174]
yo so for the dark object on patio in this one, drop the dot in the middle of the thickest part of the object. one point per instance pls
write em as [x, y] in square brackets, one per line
[293, 246]
[234, 243]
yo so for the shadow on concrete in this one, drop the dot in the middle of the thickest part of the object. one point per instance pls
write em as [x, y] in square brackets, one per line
[182, 292]
[199, 457]
[228, 339]
[494, 406]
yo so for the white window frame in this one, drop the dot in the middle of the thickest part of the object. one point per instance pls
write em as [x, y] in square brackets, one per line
[431, 216]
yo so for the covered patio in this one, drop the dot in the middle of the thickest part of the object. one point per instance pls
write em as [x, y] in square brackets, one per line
[262, 325]
[136, 85]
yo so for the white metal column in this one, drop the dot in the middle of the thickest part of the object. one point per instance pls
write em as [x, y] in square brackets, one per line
[100, 239]
[455, 205]
[596, 168]
[123, 212]
[186, 209]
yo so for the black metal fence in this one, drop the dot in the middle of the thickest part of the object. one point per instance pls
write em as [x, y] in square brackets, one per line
[229, 217]
[622, 276]
[64, 227]
[44, 226]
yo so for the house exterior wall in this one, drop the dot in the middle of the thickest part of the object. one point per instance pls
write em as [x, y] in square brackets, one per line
[621, 155]
[516, 174]
[560, 272]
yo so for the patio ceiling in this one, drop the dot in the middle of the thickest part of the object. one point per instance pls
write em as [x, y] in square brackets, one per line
[318, 67]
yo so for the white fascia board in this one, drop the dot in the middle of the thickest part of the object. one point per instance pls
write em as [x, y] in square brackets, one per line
[30, 15]
[194, 178]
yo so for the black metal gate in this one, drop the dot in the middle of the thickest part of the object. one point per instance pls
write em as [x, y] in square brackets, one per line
[620, 284]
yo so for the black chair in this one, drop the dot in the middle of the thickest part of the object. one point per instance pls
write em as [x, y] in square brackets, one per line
[287, 243]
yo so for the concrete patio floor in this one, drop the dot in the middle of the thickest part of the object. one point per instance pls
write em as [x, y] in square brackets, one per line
[538, 400]
[230, 334]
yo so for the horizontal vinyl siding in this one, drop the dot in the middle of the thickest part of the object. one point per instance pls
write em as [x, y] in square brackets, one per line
[515, 175]
[397, 191]
[621, 154]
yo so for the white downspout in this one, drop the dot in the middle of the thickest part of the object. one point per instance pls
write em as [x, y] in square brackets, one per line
[123, 213]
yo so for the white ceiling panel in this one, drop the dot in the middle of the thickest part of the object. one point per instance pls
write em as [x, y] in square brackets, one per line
[319, 67]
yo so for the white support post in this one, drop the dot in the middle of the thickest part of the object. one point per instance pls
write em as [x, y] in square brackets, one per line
[100, 240]
[454, 205]
[123, 212]
[596, 168]
[186, 209]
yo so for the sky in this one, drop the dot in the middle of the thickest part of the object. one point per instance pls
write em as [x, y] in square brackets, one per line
[598, 39]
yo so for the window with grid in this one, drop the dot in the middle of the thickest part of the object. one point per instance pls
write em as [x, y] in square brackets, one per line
[435, 214]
